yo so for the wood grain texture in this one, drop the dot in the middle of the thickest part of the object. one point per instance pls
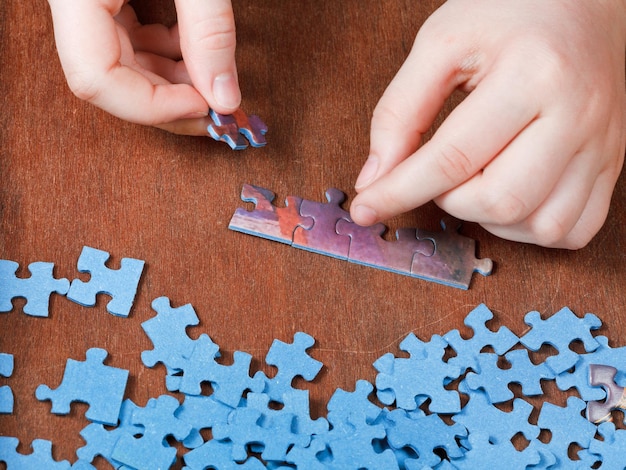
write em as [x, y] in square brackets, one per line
[71, 175]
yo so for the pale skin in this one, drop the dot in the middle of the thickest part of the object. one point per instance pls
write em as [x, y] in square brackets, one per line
[532, 153]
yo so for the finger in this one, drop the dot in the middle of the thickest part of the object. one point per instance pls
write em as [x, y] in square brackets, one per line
[515, 183]
[196, 127]
[552, 224]
[155, 38]
[171, 71]
[207, 38]
[90, 50]
[472, 135]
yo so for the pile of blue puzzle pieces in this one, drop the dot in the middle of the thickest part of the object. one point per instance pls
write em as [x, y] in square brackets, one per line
[437, 405]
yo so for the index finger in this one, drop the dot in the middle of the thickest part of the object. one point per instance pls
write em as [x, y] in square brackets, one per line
[473, 134]
[208, 40]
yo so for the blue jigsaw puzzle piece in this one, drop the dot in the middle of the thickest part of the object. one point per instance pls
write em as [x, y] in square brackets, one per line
[424, 434]
[201, 412]
[486, 454]
[6, 394]
[101, 441]
[560, 330]
[343, 403]
[40, 458]
[218, 454]
[495, 380]
[121, 284]
[150, 450]
[611, 449]
[423, 374]
[91, 382]
[467, 350]
[168, 333]
[292, 360]
[36, 289]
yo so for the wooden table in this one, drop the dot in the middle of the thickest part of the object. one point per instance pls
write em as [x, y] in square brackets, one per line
[72, 175]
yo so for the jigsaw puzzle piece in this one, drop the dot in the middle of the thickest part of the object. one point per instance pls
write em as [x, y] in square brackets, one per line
[604, 376]
[611, 449]
[267, 220]
[495, 380]
[232, 128]
[121, 284]
[322, 237]
[343, 403]
[454, 260]
[368, 247]
[424, 434]
[423, 374]
[485, 454]
[150, 450]
[91, 382]
[201, 412]
[36, 289]
[467, 350]
[40, 458]
[167, 331]
[101, 441]
[6, 394]
[292, 360]
[560, 330]
[218, 454]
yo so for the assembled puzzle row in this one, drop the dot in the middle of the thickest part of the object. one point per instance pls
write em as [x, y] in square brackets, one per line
[326, 228]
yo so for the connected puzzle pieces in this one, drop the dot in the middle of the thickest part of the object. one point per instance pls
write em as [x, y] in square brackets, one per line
[237, 129]
[6, 394]
[326, 228]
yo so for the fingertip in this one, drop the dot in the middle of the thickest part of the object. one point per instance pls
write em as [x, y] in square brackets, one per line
[368, 173]
[363, 215]
[226, 93]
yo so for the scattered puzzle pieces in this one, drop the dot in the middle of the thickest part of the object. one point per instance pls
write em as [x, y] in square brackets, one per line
[36, 289]
[120, 284]
[237, 129]
[6, 394]
[327, 229]
[102, 387]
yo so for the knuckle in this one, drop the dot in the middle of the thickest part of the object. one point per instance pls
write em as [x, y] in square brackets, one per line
[502, 206]
[216, 33]
[550, 231]
[454, 163]
[83, 83]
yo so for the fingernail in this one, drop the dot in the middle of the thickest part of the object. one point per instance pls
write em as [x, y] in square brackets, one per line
[368, 172]
[226, 90]
[364, 215]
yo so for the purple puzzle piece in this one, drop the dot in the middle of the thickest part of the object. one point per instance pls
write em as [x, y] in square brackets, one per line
[454, 260]
[368, 247]
[323, 237]
[604, 376]
[267, 220]
[232, 128]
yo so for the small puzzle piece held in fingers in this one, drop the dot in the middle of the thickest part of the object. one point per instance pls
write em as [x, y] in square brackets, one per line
[267, 220]
[36, 289]
[235, 128]
[604, 376]
[102, 387]
[121, 284]
[454, 260]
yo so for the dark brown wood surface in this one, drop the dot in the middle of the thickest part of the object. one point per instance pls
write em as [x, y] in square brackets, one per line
[72, 175]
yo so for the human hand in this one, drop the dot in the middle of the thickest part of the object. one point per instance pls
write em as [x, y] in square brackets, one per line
[534, 151]
[135, 72]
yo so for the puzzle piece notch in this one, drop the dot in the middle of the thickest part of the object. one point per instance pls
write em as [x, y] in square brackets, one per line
[560, 330]
[467, 350]
[237, 129]
[36, 289]
[322, 237]
[91, 382]
[121, 284]
[454, 260]
[6, 394]
[168, 333]
[40, 458]
[369, 248]
[150, 450]
[267, 220]
[604, 376]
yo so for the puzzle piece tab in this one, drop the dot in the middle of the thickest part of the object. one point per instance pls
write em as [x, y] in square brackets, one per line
[36, 289]
[121, 284]
[267, 220]
[454, 260]
[6, 394]
[40, 458]
[102, 387]
[237, 129]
